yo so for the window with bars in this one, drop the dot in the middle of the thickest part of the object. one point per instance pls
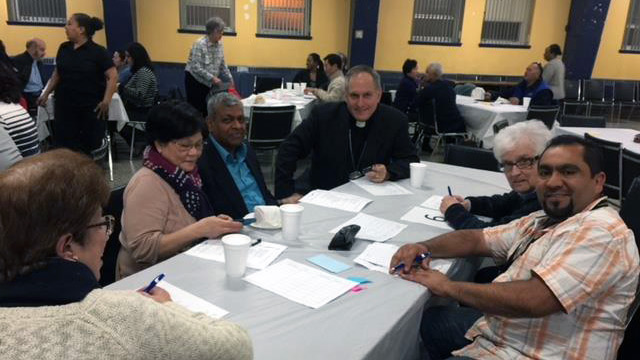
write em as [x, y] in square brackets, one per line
[195, 13]
[507, 22]
[437, 21]
[289, 18]
[631, 41]
[38, 11]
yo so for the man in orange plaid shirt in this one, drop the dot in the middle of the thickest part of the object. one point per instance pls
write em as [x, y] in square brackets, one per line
[571, 272]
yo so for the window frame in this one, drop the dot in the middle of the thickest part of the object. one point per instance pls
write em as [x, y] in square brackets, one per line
[521, 44]
[626, 47]
[281, 34]
[453, 42]
[229, 29]
[14, 17]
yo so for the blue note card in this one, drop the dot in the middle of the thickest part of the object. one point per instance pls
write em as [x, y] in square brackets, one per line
[328, 263]
[359, 280]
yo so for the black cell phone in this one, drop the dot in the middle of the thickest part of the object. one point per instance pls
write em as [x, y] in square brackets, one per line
[345, 238]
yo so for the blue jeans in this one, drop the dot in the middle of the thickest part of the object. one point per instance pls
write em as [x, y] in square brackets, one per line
[443, 328]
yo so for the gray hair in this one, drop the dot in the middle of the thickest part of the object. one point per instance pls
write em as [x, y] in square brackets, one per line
[533, 131]
[213, 24]
[359, 69]
[436, 68]
[222, 98]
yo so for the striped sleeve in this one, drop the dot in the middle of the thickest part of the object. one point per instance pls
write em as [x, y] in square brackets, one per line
[21, 127]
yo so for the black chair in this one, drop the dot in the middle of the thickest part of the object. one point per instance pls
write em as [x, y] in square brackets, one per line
[471, 157]
[582, 121]
[386, 98]
[573, 95]
[626, 92]
[630, 171]
[110, 255]
[264, 83]
[629, 214]
[269, 126]
[611, 152]
[546, 114]
[432, 129]
[596, 95]
[499, 126]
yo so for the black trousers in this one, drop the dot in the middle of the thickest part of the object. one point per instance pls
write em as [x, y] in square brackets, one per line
[77, 128]
[196, 93]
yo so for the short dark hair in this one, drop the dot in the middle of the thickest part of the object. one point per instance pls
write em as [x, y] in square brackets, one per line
[121, 55]
[90, 24]
[43, 198]
[592, 154]
[139, 56]
[555, 49]
[10, 85]
[334, 59]
[409, 65]
[172, 120]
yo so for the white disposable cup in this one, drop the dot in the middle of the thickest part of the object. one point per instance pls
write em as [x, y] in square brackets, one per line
[296, 88]
[236, 251]
[418, 170]
[525, 102]
[289, 86]
[291, 219]
[303, 85]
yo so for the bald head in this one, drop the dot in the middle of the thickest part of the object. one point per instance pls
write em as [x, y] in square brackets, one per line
[36, 48]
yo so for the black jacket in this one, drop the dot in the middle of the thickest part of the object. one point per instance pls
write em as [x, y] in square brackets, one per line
[501, 208]
[218, 185]
[325, 133]
[23, 63]
[447, 114]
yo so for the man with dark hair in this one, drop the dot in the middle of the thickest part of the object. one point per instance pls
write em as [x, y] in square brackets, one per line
[553, 73]
[231, 175]
[335, 91]
[29, 65]
[571, 272]
[346, 138]
[532, 86]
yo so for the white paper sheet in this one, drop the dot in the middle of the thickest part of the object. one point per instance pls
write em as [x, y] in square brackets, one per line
[373, 228]
[301, 283]
[377, 257]
[336, 200]
[192, 302]
[260, 256]
[417, 215]
[433, 202]
[386, 188]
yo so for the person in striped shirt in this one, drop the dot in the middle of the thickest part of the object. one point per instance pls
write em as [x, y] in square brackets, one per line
[14, 119]
[572, 272]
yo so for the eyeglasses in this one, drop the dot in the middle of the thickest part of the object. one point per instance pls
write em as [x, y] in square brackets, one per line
[186, 147]
[109, 222]
[521, 164]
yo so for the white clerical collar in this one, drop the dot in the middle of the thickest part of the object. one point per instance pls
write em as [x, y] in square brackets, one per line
[361, 124]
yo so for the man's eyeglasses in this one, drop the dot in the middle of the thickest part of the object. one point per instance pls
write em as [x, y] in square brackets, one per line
[521, 164]
[109, 222]
[186, 147]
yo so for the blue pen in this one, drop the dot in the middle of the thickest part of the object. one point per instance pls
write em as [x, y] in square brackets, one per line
[153, 283]
[419, 259]
[449, 188]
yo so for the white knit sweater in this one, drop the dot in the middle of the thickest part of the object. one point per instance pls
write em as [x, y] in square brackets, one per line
[118, 325]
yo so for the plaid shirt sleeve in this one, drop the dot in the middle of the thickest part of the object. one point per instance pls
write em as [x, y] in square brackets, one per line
[585, 262]
[197, 63]
[500, 239]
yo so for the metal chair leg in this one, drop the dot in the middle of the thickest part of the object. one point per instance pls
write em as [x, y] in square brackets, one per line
[110, 158]
[133, 141]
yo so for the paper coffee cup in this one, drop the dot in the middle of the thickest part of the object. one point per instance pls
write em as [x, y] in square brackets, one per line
[291, 219]
[236, 251]
[525, 102]
[289, 86]
[418, 171]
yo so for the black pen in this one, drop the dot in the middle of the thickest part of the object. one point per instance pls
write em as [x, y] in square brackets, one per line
[449, 188]
[258, 241]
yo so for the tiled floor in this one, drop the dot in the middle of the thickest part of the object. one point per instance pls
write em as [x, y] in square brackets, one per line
[123, 169]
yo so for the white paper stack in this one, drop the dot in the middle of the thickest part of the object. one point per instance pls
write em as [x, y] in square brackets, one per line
[336, 200]
[373, 228]
[192, 302]
[377, 257]
[260, 256]
[387, 188]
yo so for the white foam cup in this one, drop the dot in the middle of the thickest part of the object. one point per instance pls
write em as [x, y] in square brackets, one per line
[418, 170]
[236, 250]
[291, 219]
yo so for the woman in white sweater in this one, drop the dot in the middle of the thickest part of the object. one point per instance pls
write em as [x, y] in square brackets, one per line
[52, 238]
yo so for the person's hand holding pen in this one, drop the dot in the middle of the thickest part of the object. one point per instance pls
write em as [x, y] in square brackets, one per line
[404, 259]
[156, 293]
[451, 200]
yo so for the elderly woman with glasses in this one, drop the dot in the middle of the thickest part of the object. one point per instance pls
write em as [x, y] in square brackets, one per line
[165, 209]
[51, 242]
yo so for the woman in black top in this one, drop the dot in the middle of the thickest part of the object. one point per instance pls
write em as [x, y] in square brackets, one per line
[408, 88]
[314, 74]
[85, 80]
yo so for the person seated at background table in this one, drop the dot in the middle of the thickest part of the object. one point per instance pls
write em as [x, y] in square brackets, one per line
[553, 71]
[29, 66]
[314, 74]
[139, 93]
[206, 68]
[14, 119]
[165, 209]
[231, 175]
[335, 91]
[51, 242]
[84, 81]
[345, 62]
[571, 272]
[446, 111]
[532, 86]
[346, 137]
[9, 153]
[516, 148]
[408, 88]
[122, 66]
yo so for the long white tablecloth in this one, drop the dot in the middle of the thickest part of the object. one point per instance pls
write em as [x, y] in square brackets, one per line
[282, 97]
[381, 322]
[480, 116]
[621, 135]
[117, 111]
